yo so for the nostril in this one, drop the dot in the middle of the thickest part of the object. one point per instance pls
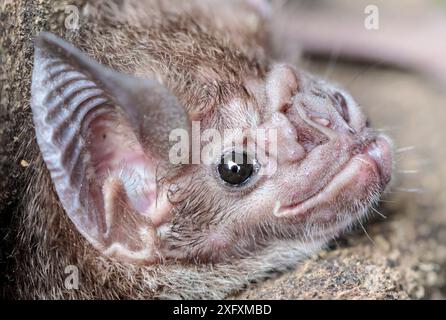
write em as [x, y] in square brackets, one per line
[285, 107]
[322, 121]
[342, 107]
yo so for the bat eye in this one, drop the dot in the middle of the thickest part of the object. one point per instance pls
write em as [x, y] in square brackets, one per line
[235, 168]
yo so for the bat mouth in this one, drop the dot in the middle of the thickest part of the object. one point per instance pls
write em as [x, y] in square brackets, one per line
[367, 171]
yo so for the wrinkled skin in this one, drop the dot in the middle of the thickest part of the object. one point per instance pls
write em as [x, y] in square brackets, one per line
[330, 166]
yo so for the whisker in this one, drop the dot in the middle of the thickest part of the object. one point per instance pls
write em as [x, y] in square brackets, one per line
[362, 73]
[387, 129]
[334, 55]
[366, 233]
[408, 171]
[379, 213]
[408, 190]
[336, 242]
[405, 149]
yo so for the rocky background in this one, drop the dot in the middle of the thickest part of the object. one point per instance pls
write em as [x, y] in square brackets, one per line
[398, 257]
[20, 21]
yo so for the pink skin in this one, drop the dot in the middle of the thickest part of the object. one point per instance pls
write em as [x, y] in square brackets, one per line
[362, 170]
[349, 162]
[328, 169]
[117, 153]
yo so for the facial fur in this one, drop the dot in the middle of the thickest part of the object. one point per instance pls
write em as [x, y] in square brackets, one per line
[215, 60]
[322, 185]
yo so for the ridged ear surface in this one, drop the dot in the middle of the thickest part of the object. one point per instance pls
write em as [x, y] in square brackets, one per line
[104, 137]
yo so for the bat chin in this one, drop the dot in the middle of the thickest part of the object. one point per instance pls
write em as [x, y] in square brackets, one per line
[354, 187]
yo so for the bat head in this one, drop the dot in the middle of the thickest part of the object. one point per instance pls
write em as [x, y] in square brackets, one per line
[144, 181]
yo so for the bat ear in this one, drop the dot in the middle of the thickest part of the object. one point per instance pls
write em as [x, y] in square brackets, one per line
[104, 137]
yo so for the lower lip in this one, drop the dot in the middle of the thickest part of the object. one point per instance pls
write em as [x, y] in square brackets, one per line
[376, 155]
[380, 152]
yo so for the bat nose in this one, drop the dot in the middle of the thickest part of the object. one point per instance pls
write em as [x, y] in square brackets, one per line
[317, 122]
[325, 111]
[322, 104]
[318, 111]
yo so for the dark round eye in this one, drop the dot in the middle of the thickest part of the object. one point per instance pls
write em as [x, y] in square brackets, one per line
[235, 169]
